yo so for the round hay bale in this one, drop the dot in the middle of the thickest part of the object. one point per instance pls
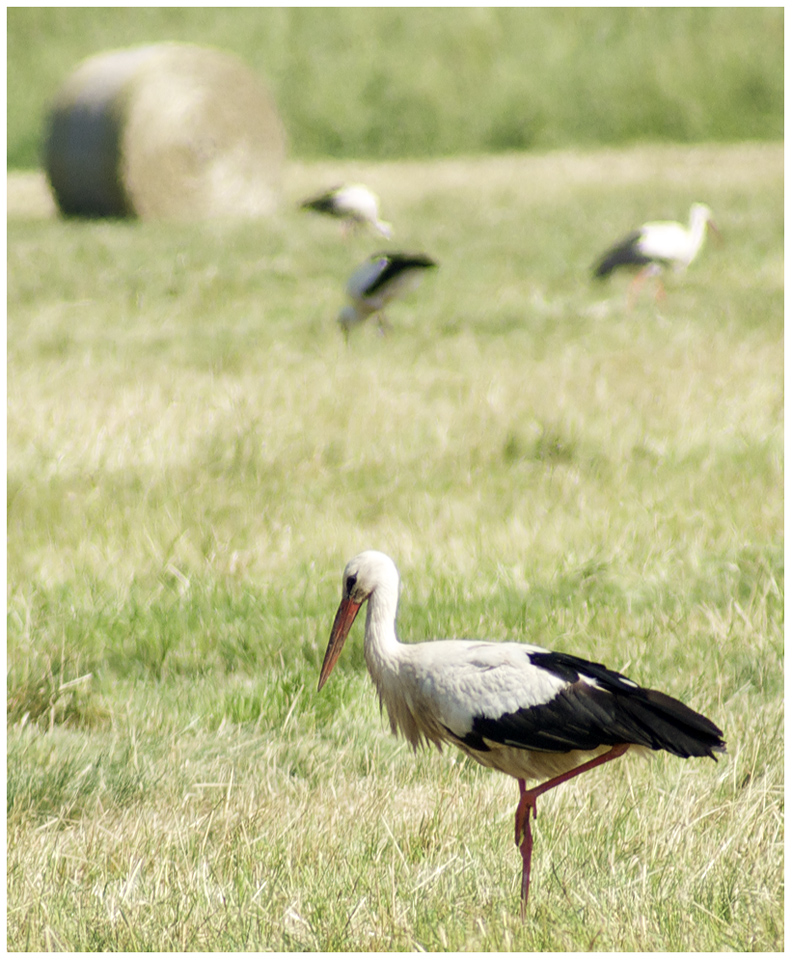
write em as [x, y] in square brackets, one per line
[164, 131]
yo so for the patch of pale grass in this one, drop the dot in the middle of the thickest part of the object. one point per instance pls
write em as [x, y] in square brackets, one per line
[243, 857]
[542, 176]
[335, 427]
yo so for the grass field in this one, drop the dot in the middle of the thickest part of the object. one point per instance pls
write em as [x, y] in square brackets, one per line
[193, 455]
[390, 83]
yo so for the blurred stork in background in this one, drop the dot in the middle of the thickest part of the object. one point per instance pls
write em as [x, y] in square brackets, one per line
[379, 280]
[655, 247]
[355, 205]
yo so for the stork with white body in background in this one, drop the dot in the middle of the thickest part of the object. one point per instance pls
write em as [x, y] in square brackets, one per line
[518, 708]
[657, 246]
[355, 205]
[379, 280]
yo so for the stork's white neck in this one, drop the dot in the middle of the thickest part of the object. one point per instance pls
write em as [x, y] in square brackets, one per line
[697, 229]
[386, 658]
[381, 645]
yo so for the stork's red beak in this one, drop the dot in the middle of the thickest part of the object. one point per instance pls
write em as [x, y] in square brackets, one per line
[714, 231]
[342, 624]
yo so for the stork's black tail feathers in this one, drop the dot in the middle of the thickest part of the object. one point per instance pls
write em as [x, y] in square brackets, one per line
[674, 727]
[616, 710]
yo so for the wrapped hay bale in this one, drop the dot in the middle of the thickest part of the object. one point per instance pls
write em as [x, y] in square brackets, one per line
[164, 131]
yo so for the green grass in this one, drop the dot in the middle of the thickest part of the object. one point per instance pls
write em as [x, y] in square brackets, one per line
[193, 455]
[396, 83]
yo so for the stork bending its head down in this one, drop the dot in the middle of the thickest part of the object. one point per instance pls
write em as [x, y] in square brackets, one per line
[655, 246]
[517, 708]
[383, 277]
[355, 205]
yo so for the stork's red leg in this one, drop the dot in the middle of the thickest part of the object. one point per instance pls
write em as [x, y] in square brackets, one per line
[635, 288]
[527, 805]
[523, 837]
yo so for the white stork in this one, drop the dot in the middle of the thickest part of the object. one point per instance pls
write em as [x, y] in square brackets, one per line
[518, 708]
[656, 246]
[355, 204]
[379, 280]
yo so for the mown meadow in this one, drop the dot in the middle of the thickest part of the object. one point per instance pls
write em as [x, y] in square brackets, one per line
[193, 455]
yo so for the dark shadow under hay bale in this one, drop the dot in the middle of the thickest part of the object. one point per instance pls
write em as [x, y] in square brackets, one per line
[164, 131]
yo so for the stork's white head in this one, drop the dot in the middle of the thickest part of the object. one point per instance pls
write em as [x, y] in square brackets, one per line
[701, 216]
[384, 228]
[364, 574]
[700, 219]
[348, 318]
[367, 571]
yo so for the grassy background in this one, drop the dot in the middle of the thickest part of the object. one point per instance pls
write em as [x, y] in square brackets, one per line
[193, 455]
[394, 83]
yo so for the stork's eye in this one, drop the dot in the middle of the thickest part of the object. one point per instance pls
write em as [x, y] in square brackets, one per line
[351, 581]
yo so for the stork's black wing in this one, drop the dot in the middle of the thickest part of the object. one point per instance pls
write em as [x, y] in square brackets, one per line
[597, 707]
[324, 203]
[626, 253]
[395, 264]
